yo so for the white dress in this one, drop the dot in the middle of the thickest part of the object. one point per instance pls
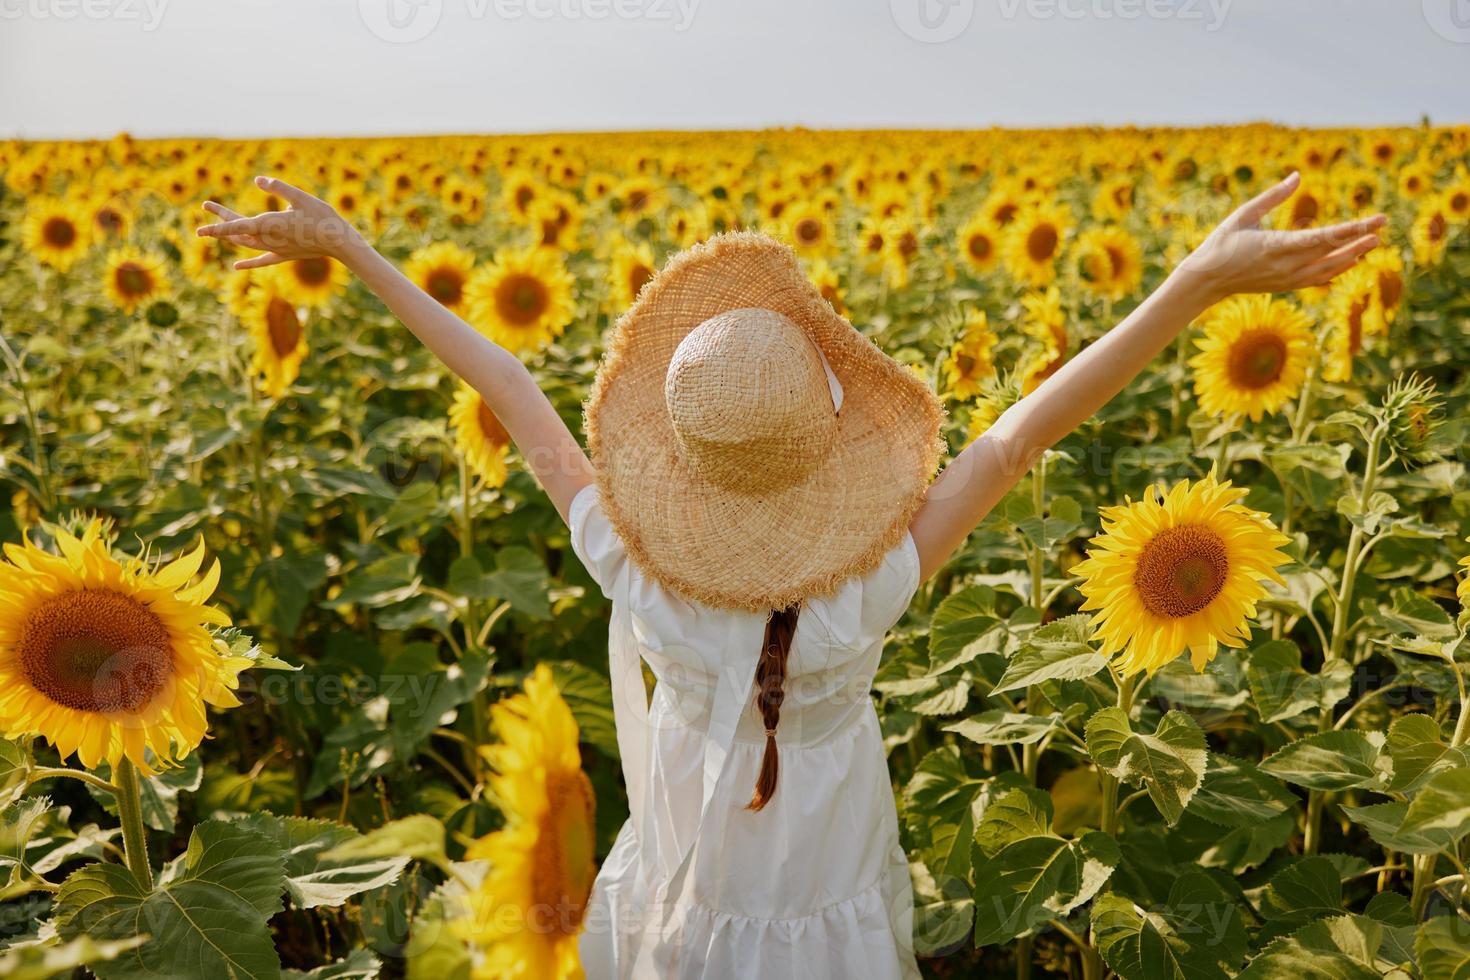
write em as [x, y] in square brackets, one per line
[813, 887]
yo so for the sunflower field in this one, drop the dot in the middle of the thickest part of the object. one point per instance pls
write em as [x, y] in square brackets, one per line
[300, 678]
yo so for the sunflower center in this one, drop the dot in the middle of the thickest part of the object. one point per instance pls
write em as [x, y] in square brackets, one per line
[491, 428]
[979, 247]
[1355, 325]
[132, 279]
[1181, 571]
[1390, 288]
[59, 232]
[446, 285]
[110, 221]
[562, 868]
[284, 327]
[1257, 359]
[1006, 213]
[966, 364]
[637, 276]
[1041, 244]
[809, 231]
[521, 299]
[94, 650]
[313, 271]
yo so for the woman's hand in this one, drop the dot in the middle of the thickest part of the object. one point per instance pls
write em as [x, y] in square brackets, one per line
[1242, 257]
[309, 228]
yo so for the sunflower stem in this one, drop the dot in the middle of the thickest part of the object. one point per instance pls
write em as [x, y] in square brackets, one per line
[130, 813]
[1038, 552]
[1337, 642]
[48, 772]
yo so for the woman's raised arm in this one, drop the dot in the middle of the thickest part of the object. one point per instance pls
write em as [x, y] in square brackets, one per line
[1238, 257]
[312, 228]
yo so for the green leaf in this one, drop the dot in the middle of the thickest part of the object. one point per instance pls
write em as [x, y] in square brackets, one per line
[1057, 651]
[282, 587]
[1170, 763]
[1341, 948]
[1236, 793]
[45, 959]
[311, 879]
[360, 964]
[519, 577]
[1369, 518]
[965, 626]
[1414, 615]
[208, 920]
[1036, 879]
[1442, 807]
[1384, 823]
[1417, 746]
[1283, 690]
[15, 763]
[1004, 728]
[1329, 760]
[1196, 935]
[419, 837]
[1021, 812]
[1310, 888]
[1442, 946]
[19, 822]
[435, 951]
[382, 583]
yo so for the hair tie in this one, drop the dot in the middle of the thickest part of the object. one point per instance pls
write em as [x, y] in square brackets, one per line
[770, 733]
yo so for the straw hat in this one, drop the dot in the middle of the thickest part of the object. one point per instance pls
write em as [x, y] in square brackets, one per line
[752, 449]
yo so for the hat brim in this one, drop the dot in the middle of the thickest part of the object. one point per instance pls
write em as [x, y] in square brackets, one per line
[755, 551]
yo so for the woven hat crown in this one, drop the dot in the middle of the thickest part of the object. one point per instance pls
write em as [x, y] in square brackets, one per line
[749, 402]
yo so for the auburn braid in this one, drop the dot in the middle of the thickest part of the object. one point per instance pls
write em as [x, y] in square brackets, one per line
[770, 681]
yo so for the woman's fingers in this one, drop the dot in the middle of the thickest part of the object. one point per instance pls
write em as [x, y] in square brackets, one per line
[221, 211]
[298, 197]
[1317, 242]
[260, 261]
[1262, 204]
[1326, 269]
[236, 226]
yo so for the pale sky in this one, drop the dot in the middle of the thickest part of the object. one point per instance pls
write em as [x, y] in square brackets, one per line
[344, 67]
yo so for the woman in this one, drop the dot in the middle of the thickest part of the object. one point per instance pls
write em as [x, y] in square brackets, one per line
[759, 508]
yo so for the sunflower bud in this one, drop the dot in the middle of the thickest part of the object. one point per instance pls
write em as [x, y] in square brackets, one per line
[1414, 412]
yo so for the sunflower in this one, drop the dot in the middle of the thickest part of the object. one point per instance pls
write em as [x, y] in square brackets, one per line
[825, 278]
[969, 362]
[979, 243]
[479, 436]
[1034, 242]
[312, 282]
[1252, 358]
[1177, 571]
[110, 659]
[522, 300]
[57, 232]
[1110, 260]
[631, 267]
[442, 270]
[1044, 320]
[1113, 200]
[1388, 265]
[526, 915]
[1354, 313]
[134, 277]
[809, 229]
[279, 332]
[1431, 231]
